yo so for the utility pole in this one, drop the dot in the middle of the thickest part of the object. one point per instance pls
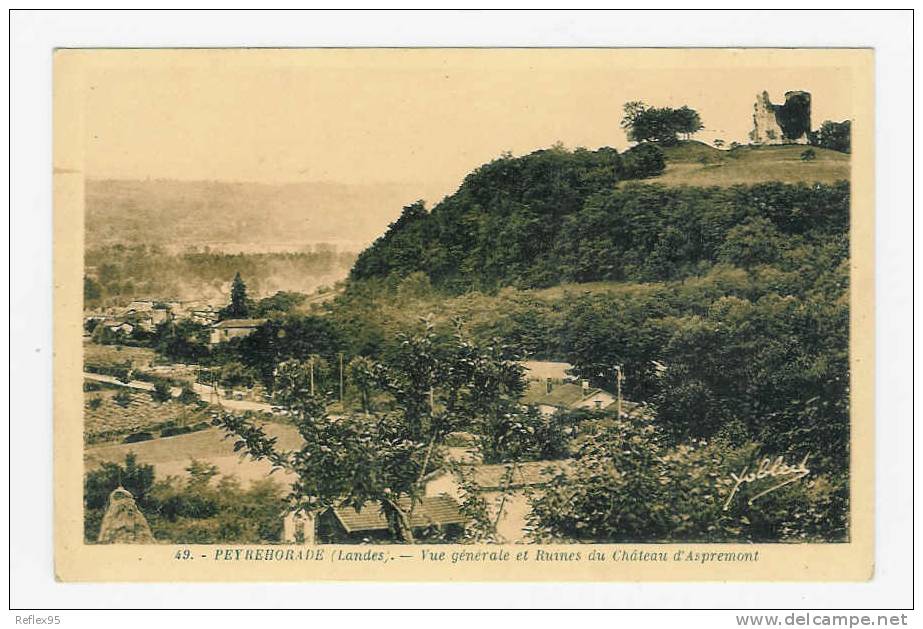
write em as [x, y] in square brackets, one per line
[618, 387]
[311, 362]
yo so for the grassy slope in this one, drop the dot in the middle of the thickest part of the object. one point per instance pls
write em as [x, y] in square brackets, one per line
[697, 164]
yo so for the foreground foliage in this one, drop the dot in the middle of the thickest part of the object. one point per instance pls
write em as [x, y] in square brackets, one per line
[197, 509]
[628, 484]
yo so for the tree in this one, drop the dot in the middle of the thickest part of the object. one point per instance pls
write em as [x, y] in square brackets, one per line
[659, 124]
[524, 435]
[360, 373]
[282, 302]
[438, 386]
[687, 121]
[182, 341]
[279, 339]
[99, 483]
[239, 307]
[835, 136]
[233, 375]
[753, 242]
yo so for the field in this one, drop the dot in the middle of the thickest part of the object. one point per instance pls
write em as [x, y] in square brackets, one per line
[697, 164]
[111, 355]
[109, 420]
[171, 455]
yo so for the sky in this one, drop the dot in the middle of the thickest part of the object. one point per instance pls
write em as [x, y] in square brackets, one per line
[426, 117]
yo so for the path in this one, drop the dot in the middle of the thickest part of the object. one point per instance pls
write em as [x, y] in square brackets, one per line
[205, 392]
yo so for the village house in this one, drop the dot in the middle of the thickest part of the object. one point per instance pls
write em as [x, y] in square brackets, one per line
[116, 325]
[438, 516]
[551, 397]
[148, 320]
[232, 329]
[205, 316]
[505, 488]
[140, 305]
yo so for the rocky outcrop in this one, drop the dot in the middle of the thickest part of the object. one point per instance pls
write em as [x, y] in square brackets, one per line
[123, 522]
[789, 123]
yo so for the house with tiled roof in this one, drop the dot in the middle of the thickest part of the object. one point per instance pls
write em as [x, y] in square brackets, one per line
[434, 515]
[550, 397]
[232, 329]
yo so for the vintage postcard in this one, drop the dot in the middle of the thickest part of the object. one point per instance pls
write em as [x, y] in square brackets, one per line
[464, 314]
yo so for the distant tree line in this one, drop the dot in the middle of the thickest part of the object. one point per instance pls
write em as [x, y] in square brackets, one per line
[121, 273]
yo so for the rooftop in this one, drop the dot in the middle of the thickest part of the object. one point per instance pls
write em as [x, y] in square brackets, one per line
[433, 511]
[565, 395]
[511, 476]
[240, 323]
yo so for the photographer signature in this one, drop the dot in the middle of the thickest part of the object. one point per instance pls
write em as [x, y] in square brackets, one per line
[769, 468]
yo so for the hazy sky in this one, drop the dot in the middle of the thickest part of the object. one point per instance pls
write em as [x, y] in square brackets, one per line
[422, 116]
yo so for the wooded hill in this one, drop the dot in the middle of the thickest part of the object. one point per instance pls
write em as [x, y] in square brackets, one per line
[556, 216]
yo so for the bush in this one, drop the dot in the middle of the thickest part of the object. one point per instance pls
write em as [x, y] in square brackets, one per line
[643, 161]
[188, 395]
[627, 486]
[171, 431]
[808, 154]
[94, 403]
[122, 371]
[122, 398]
[188, 510]
[161, 392]
[201, 511]
[135, 437]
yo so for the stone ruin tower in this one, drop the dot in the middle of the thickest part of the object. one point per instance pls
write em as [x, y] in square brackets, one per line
[123, 522]
[789, 123]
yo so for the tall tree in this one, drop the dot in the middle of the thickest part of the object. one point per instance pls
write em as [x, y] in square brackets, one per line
[238, 308]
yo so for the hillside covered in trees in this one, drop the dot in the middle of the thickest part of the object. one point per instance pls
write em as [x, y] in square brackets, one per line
[556, 216]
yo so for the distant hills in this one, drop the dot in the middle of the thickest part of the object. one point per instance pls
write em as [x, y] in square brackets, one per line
[241, 217]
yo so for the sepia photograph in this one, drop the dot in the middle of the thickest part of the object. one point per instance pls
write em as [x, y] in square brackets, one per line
[385, 305]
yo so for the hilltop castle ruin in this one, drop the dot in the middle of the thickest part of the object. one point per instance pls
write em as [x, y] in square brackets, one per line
[789, 123]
